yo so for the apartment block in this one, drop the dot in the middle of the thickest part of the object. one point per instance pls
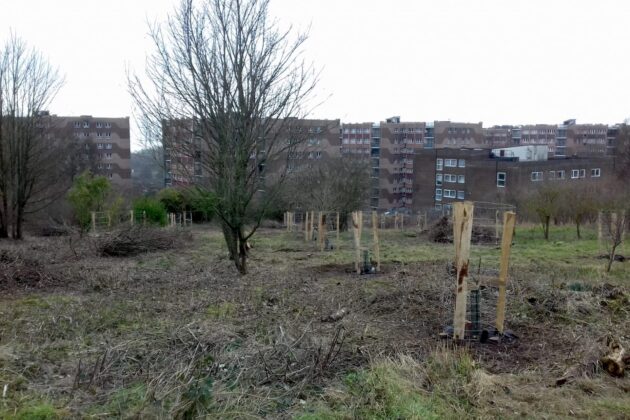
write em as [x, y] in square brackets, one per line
[104, 143]
[497, 175]
[454, 135]
[184, 149]
[404, 156]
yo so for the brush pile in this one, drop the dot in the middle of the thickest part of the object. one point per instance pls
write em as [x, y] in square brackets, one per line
[17, 271]
[138, 240]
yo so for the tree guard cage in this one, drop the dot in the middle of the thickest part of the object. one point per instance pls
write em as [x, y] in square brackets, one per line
[481, 286]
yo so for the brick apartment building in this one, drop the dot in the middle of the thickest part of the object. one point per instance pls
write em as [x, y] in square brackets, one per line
[500, 175]
[183, 149]
[104, 143]
[403, 157]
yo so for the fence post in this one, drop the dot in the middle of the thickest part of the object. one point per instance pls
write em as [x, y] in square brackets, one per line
[109, 219]
[320, 230]
[338, 229]
[131, 216]
[144, 217]
[462, 230]
[357, 241]
[509, 220]
[306, 226]
[94, 221]
[377, 249]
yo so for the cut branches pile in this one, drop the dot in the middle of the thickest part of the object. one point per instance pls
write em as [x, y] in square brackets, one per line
[139, 240]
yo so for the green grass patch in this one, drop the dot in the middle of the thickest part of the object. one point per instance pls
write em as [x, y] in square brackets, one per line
[221, 310]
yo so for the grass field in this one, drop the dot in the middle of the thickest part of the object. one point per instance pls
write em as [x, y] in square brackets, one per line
[178, 333]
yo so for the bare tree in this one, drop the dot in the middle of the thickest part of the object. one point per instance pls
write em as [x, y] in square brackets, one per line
[229, 83]
[341, 184]
[27, 85]
[615, 223]
[545, 202]
[579, 204]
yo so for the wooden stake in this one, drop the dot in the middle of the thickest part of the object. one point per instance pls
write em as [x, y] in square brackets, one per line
[599, 231]
[94, 221]
[377, 249]
[109, 219]
[320, 231]
[312, 230]
[462, 231]
[306, 226]
[402, 222]
[338, 229]
[357, 241]
[396, 221]
[144, 217]
[496, 225]
[131, 216]
[509, 220]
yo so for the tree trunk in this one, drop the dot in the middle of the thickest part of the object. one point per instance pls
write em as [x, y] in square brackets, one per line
[19, 218]
[546, 227]
[237, 247]
[4, 219]
[577, 226]
[611, 258]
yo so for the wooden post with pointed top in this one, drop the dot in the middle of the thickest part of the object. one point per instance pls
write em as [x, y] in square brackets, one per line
[462, 231]
[509, 220]
[356, 229]
[320, 231]
[306, 226]
[377, 249]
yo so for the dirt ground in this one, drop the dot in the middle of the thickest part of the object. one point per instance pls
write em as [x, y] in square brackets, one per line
[179, 333]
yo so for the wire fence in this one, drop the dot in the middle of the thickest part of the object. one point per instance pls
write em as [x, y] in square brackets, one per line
[107, 220]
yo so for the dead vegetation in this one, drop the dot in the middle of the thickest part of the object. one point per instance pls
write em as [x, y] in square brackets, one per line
[137, 239]
[176, 333]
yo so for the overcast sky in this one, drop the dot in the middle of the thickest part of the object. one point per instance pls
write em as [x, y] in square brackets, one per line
[496, 61]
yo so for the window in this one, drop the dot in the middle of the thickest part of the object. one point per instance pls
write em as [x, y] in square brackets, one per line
[462, 163]
[86, 124]
[596, 173]
[450, 178]
[108, 125]
[77, 124]
[575, 173]
[460, 195]
[559, 174]
[108, 155]
[537, 176]
[500, 179]
[438, 206]
[438, 179]
[552, 174]
[438, 194]
[99, 125]
[108, 134]
[461, 179]
[108, 145]
[450, 194]
[450, 163]
[99, 166]
[111, 175]
[439, 164]
[582, 173]
[99, 146]
[108, 166]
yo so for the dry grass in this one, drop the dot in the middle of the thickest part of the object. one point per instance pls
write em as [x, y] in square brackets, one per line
[176, 333]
